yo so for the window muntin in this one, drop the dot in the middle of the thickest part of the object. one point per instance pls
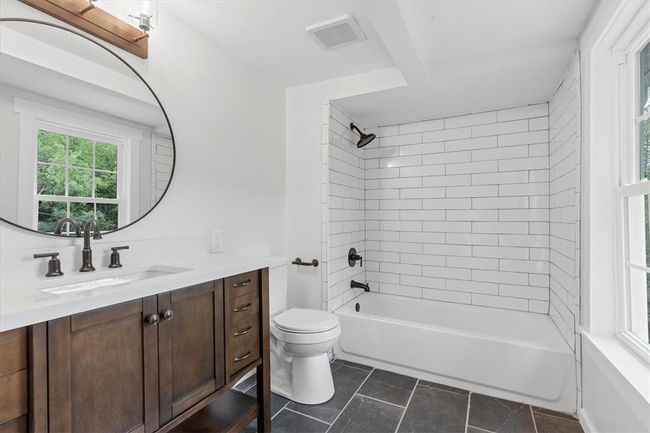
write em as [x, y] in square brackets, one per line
[643, 119]
[76, 177]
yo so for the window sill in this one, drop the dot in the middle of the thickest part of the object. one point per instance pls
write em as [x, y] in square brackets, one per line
[619, 357]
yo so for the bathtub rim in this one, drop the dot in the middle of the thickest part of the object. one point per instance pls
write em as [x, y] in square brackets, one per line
[561, 346]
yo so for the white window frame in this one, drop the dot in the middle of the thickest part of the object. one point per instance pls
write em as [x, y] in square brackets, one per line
[34, 116]
[629, 234]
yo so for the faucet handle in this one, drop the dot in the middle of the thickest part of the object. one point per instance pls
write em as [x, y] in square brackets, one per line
[53, 265]
[115, 256]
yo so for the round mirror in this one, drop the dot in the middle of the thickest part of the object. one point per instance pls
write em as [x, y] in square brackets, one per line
[82, 135]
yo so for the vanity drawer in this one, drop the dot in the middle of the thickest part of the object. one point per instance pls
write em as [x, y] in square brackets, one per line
[243, 355]
[13, 351]
[245, 331]
[243, 307]
[243, 284]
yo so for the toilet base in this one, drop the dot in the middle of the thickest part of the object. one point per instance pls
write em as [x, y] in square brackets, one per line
[305, 380]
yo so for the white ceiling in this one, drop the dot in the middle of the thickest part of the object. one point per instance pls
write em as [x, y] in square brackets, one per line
[470, 55]
[270, 35]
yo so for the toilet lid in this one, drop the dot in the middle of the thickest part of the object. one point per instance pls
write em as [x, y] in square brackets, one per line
[305, 320]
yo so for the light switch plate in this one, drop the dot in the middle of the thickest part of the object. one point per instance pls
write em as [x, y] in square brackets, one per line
[216, 241]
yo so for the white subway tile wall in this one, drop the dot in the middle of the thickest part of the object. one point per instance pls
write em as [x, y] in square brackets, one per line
[457, 209]
[564, 188]
[343, 201]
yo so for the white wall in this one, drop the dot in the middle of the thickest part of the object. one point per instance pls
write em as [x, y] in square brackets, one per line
[457, 209]
[304, 118]
[228, 122]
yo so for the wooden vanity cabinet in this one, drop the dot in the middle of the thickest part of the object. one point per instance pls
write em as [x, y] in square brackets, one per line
[103, 370]
[165, 363]
[191, 355]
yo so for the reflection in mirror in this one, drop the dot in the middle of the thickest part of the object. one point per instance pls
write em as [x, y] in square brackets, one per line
[81, 135]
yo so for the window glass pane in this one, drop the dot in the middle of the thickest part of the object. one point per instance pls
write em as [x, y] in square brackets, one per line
[644, 138]
[639, 303]
[49, 212]
[106, 156]
[80, 183]
[81, 152]
[638, 245]
[107, 217]
[646, 202]
[105, 185]
[644, 97]
[51, 147]
[81, 212]
[50, 179]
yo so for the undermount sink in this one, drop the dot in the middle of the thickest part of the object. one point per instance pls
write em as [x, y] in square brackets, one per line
[114, 281]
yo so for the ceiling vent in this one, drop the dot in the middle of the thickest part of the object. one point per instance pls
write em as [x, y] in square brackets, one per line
[337, 32]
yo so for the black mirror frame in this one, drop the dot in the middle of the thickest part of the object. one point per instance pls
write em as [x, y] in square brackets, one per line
[171, 132]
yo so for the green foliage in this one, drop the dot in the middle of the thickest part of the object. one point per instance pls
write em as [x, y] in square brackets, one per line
[81, 160]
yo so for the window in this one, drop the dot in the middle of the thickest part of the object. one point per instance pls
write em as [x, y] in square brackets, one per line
[76, 177]
[634, 200]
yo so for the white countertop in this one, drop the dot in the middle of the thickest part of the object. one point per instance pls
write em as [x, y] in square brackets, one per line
[24, 303]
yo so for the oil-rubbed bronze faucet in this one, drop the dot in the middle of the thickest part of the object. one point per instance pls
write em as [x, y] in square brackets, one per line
[87, 253]
[58, 228]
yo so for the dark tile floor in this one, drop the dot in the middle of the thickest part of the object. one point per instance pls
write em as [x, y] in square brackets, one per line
[369, 400]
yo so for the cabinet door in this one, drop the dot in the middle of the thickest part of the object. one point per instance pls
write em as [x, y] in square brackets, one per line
[103, 369]
[191, 334]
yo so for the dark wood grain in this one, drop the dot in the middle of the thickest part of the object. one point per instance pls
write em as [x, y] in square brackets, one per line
[97, 370]
[97, 22]
[13, 351]
[13, 389]
[231, 413]
[18, 425]
[191, 347]
[235, 284]
[150, 361]
[264, 370]
[37, 345]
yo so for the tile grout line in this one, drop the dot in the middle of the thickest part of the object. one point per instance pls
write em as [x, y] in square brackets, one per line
[351, 397]
[469, 404]
[399, 423]
[281, 409]
[380, 400]
[305, 415]
[532, 415]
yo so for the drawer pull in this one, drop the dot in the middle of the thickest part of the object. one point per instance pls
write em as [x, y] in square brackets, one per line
[243, 331]
[243, 308]
[246, 356]
[244, 284]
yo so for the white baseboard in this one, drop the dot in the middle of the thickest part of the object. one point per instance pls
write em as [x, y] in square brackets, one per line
[585, 421]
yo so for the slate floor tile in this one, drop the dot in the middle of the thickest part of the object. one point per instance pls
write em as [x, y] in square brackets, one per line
[352, 364]
[364, 415]
[246, 383]
[388, 386]
[552, 424]
[434, 410]
[500, 416]
[443, 387]
[277, 401]
[346, 382]
[291, 422]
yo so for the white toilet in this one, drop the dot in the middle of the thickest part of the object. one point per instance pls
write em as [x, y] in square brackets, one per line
[300, 341]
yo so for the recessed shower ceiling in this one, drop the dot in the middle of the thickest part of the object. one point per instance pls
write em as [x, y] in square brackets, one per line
[469, 56]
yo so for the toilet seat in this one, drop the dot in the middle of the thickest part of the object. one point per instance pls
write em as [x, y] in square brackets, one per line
[305, 321]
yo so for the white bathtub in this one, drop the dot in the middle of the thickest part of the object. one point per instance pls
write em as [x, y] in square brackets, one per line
[508, 354]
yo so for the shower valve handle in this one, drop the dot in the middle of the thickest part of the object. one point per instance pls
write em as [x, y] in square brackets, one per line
[353, 257]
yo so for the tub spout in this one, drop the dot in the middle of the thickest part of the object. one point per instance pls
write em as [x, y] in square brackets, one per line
[358, 285]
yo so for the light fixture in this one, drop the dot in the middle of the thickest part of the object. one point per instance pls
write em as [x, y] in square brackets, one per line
[145, 12]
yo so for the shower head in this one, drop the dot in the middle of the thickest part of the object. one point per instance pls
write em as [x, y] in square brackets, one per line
[363, 138]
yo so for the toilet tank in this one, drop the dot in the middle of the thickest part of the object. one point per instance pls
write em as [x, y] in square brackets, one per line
[277, 289]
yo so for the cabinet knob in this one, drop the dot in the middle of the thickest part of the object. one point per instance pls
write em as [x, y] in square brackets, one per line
[153, 319]
[168, 314]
